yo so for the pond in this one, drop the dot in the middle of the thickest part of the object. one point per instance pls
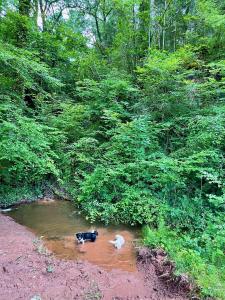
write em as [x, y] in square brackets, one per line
[57, 222]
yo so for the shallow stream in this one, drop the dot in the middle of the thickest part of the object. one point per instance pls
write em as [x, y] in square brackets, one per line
[57, 222]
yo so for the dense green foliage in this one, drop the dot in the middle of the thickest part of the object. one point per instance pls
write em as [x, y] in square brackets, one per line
[120, 105]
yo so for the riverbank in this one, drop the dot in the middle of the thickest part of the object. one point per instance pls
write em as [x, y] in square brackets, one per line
[27, 272]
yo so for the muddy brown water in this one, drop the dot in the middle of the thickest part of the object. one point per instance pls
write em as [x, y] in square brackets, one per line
[57, 222]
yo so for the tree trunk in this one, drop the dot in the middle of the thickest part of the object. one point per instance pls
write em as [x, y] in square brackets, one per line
[175, 37]
[151, 23]
[35, 12]
[164, 26]
[134, 37]
[143, 26]
[24, 10]
[43, 18]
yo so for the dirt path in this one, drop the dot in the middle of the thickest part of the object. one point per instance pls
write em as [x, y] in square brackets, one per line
[27, 274]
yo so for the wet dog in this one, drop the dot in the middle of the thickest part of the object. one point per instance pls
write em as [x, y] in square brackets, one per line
[118, 242]
[86, 236]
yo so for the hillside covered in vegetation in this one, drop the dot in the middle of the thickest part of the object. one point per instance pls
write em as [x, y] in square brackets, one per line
[120, 104]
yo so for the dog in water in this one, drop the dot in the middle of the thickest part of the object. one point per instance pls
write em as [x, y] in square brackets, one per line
[86, 236]
[118, 242]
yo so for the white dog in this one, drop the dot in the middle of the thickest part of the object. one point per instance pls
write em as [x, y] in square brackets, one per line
[118, 242]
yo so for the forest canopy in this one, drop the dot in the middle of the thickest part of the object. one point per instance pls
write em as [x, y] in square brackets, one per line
[120, 106]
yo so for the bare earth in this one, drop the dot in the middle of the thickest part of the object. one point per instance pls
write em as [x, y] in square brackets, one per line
[26, 274]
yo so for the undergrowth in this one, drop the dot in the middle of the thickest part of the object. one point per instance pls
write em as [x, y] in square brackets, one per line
[205, 264]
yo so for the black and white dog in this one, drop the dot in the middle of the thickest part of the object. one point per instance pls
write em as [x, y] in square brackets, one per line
[86, 236]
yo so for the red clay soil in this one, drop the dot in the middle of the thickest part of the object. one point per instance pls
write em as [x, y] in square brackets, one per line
[27, 273]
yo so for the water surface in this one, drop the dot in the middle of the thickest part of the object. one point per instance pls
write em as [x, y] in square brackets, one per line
[57, 222]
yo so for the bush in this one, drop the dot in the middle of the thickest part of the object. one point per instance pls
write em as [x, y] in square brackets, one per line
[189, 259]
